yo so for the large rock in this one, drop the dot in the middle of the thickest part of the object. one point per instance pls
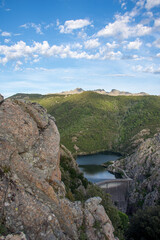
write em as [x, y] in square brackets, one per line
[1, 98]
[20, 236]
[32, 196]
[143, 166]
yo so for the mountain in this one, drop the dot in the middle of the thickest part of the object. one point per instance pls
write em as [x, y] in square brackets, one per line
[113, 92]
[91, 122]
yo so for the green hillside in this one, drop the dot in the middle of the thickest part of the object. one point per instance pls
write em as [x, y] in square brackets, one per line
[91, 122]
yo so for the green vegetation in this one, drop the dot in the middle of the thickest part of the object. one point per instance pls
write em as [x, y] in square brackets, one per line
[3, 230]
[79, 189]
[94, 122]
[145, 224]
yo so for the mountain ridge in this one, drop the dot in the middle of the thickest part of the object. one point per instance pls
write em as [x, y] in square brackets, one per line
[113, 92]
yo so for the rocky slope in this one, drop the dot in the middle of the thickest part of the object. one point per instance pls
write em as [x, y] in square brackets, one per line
[143, 166]
[32, 195]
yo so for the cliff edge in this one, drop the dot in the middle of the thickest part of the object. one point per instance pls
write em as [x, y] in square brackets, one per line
[32, 195]
[143, 166]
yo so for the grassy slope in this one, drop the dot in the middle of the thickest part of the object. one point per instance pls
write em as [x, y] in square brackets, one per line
[95, 122]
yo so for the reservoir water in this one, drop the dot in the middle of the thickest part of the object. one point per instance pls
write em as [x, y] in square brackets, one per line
[91, 167]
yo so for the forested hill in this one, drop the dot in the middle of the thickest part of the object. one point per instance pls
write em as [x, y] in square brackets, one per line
[92, 122]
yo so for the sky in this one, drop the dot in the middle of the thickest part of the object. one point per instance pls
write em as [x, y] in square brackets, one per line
[58, 45]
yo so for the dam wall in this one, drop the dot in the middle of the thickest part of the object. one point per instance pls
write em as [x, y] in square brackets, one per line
[118, 189]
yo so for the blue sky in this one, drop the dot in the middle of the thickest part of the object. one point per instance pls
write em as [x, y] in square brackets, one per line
[57, 45]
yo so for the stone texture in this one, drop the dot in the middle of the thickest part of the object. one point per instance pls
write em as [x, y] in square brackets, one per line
[98, 224]
[20, 236]
[1, 98]
[32, 196]
[143, 166]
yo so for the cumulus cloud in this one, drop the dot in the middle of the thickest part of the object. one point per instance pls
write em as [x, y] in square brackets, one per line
[105, 54]
[5, 34]
[92, 43]
[18, 66]
[20, 50]
[76, 46]
[112, 55]
[36, 27]
[135, 44]
[71, 25]
[157, 43]
[148, 69]
[157, 22]
[112, 45]
[121, 28]
[152, 3]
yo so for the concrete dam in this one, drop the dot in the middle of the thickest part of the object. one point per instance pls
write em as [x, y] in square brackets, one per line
[118, 189]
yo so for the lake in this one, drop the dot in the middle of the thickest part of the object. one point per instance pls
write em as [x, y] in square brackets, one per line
[91, 167]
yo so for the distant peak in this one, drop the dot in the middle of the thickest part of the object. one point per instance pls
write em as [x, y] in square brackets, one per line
[78, 90]
[113, 92]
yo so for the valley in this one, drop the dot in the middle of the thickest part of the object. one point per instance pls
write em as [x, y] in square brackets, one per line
[90, 123]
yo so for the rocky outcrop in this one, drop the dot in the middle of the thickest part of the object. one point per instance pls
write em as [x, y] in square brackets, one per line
[98, 224]
[143, 166]
[32, 195]
[113, 92]
[1, 98]
[20, 236]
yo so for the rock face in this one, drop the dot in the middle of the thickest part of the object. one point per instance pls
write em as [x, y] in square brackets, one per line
[143, 166]
[20, 236]
[32, 196]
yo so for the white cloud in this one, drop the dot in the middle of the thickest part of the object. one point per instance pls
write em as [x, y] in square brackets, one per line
[21, 51]
[122, 29]
[7, 40]
[5, 34]
[152, 3]
[17, 66]
[135, 44]
[149, 69]
[132, 57]
[50, 25]
[92, 43]
[157, 22]
[112, 45]
[76, 45]
[148, 14]
[140, 3]
[105, 54]
[82, 35]
[157, 43]
[123, 4]
[149, 45]
[158, 55]
[112, 55]
[71, 25]
[36, 27]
